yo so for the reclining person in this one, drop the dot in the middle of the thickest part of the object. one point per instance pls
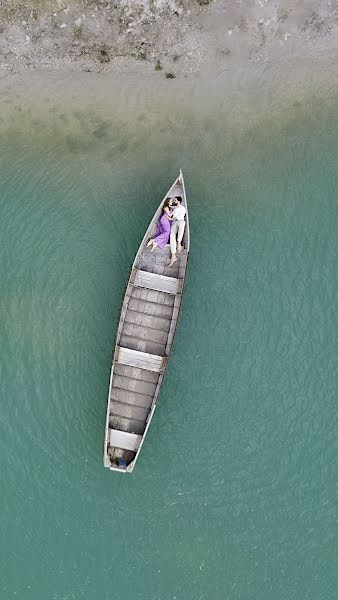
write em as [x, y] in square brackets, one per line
[177, 228]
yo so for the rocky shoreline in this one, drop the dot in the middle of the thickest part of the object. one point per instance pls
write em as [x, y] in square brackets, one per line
[172, 38]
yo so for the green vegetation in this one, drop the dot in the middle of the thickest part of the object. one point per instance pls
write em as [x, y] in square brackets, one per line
[104, 56]
[77, 31]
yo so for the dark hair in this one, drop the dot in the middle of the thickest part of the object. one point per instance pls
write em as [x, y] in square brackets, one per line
[166, 203]
[179, 198]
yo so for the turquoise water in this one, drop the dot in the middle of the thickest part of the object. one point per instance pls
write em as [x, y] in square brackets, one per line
[235, 492]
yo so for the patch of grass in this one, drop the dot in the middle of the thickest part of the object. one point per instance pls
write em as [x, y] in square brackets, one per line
[282, 15]
[158, 66]
[104, 56]
[77, 31]
[142, 53]
[243, 24]
[314, 23]
[170, 76]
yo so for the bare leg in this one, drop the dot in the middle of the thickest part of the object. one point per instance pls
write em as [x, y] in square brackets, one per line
[173, 260]
[179, 247]
[149, 243]
[154, 246]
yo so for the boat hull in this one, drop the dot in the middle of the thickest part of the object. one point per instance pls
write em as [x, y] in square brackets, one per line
[144, 340]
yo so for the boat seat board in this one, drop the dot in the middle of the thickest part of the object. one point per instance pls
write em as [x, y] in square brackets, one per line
[122, 439]
[141, 360]
[160, 283]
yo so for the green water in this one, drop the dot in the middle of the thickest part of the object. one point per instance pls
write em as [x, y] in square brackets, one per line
[235, 492]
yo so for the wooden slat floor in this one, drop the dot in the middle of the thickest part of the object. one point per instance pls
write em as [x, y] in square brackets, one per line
[146, 328]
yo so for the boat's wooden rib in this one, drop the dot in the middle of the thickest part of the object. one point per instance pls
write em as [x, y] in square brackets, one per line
[144, 339]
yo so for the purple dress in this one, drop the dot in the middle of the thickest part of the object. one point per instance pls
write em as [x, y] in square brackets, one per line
[162, 231]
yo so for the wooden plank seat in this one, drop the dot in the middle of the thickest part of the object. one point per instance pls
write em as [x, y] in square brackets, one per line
[141, 360]
[160, 283]
[125, 440]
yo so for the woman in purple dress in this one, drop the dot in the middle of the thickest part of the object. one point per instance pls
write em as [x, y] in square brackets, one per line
[162, 234]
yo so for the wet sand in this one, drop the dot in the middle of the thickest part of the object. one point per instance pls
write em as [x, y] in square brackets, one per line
[53, 104]
[289, 76]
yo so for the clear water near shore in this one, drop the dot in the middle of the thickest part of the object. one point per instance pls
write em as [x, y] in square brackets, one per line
[234, 495]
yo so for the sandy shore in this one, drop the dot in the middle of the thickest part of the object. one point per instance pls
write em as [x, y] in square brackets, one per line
[240, 64]
[171, 38]
[240, 95]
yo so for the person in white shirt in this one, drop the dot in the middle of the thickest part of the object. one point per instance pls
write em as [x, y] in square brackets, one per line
[177, 229]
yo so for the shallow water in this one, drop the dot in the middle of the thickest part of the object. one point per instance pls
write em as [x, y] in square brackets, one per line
[234, 494]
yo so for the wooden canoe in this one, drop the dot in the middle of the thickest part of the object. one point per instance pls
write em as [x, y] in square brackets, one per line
[144, 339]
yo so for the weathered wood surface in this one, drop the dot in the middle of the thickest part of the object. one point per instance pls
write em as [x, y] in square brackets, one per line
[154, 281]
[142, 360]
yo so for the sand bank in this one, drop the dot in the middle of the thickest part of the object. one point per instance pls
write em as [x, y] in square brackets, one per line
[166, 38]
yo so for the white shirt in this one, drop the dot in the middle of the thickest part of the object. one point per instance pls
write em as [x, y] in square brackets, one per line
[179, 212]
